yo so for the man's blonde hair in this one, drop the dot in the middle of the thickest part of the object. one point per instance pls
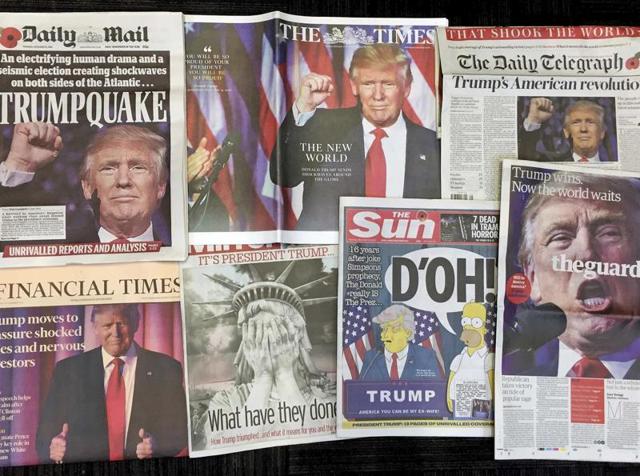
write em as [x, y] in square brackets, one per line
[381, 55]
[394, 312]
[584, 104]
[128, 133]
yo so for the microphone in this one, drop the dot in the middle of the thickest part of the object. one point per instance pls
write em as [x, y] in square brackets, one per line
[379, 352]
[534, 328]
[228, 145]
[198, 210]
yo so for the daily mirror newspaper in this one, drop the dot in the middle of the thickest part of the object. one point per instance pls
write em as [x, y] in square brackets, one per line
[91, 364]
[568, 371]
[260, 330]
[416, 322]
[285, 114]
[92, 138]
[547, 94]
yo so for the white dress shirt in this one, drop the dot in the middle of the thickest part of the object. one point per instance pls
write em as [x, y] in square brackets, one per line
[394, 147]
[592, 159]
[106, 236]
[402, 359]
[472, 368]
[568, 357]
[13, 178]
[129, 376]
[395, 160]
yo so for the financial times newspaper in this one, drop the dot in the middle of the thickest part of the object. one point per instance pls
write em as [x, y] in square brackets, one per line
[91, 138]
[281, 111]
[547, 94]
[260, 333]
[569, 278]
[60, 328]
[416, 322]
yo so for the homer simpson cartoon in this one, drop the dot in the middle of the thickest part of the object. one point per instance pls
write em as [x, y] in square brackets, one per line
[471, 372]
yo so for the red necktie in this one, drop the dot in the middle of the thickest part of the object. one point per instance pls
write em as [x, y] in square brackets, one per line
[583, 159]
[394, 367]
[116, 411]
[120, 241]
[591, 368]
[375, 184]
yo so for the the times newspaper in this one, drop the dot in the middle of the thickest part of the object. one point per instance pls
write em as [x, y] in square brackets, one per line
[569, 299]
[260, 330]
[281, 115]
[548, 94]
[91, 138]
[60, 330]
[416, 322]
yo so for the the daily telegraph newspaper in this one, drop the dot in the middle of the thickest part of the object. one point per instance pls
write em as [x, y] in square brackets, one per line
[91, 138]
[285, 114]
[416, 319]
[260, 330]
[91, 364]
[543, 93]
[568, 368]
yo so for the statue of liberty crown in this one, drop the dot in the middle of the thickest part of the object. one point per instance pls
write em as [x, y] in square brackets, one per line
[266, 289]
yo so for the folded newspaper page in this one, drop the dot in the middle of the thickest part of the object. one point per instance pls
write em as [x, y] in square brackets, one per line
[91, 138]
[91, 364]
[260, 331]
[568, 367]
[215, 249]
[547, 94]
[285, 114]
[416, 322]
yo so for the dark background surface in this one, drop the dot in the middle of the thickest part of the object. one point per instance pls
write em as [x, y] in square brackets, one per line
[454, 456]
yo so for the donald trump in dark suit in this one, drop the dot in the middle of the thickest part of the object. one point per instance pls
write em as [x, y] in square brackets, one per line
[400, 359]
[583, 127]
[369, 150]
[115, 402]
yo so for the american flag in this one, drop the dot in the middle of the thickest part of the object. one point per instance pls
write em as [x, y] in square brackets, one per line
[490, 336]
[358, 337]
[251, 95]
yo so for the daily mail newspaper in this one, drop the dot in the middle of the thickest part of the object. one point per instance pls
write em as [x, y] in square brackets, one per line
[92, 135]
[568, 371]
[416, 322]
[544, 93]
[260, 331]
[281, 118]
[61, 397]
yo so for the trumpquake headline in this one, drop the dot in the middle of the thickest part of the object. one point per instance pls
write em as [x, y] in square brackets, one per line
[99, 108]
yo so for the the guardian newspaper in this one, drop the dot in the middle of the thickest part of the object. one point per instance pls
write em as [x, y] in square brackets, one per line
[568, 352]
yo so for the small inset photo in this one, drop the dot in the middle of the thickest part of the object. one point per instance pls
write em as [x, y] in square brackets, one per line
[567, 129]
[481, 409]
